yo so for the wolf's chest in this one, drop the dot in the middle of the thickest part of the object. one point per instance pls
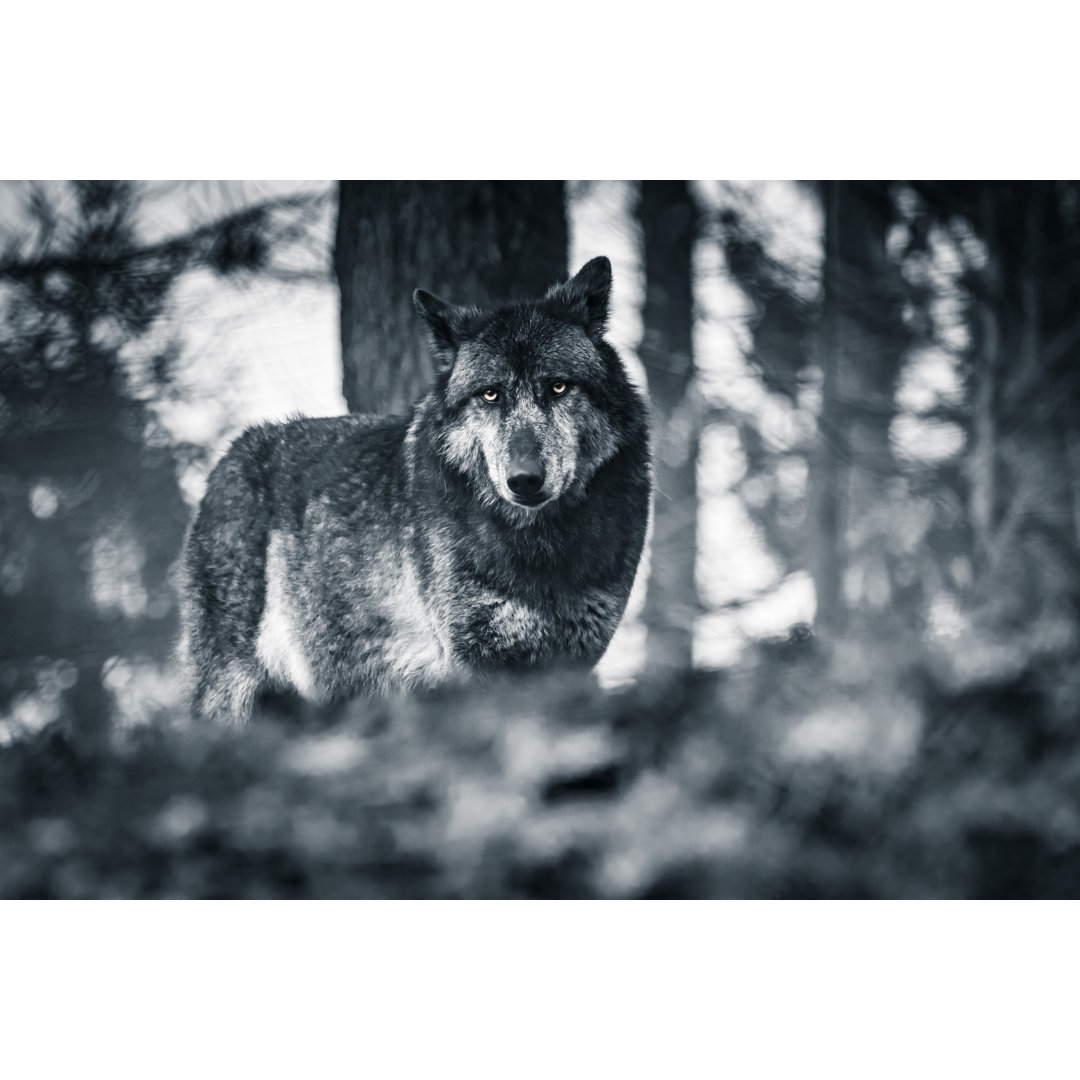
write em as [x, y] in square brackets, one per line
[516, 625]
[330, 634]
[502, 631]
[417, 650]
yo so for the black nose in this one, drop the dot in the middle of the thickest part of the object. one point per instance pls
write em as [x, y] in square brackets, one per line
[526, 479]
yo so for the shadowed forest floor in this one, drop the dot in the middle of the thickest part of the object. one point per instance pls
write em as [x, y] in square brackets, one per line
[695, 786]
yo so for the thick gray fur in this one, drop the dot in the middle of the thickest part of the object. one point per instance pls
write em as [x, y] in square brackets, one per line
[361, 553]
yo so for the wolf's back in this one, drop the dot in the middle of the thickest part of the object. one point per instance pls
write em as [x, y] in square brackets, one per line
[278, 489]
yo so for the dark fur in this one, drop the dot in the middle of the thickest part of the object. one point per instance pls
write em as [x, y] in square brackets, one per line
[361, 553]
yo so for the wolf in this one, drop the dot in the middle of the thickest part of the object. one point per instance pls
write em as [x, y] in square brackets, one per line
[498, 527]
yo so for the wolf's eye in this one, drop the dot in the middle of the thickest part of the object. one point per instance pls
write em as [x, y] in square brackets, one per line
[490, 395]
[558, 387]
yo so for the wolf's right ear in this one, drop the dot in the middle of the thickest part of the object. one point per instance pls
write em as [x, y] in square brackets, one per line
[447, 324]
[587, 294]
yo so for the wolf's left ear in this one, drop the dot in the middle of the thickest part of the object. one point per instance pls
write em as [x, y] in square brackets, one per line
[587, 293]
[446, 323]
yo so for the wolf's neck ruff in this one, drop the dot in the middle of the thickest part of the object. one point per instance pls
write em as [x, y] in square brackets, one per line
[500, 526]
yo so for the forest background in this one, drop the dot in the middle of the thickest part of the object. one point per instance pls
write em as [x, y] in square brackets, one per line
[866, 422]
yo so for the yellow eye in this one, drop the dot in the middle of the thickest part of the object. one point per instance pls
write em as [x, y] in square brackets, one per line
[558, 387]
[490, 394]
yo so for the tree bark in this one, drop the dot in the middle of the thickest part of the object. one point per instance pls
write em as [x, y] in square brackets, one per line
[860, 349]
[669, 221]
[472, 242]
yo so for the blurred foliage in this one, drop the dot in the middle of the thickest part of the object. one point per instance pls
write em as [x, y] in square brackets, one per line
[90, 343]
[680, 787]
[933, 369]
[92, 509]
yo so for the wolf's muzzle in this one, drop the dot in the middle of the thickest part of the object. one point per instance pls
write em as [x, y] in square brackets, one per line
[525, 471]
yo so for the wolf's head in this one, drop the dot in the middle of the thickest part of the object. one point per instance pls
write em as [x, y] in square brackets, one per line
[533, 399]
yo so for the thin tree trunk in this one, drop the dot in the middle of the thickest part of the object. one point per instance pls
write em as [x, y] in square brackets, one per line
[860, 348]
[826, 503]
[669, 225]
[982, 499]
[471, 242]
[1072, 458]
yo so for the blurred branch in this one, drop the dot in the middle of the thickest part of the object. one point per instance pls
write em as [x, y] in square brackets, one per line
[246, 240]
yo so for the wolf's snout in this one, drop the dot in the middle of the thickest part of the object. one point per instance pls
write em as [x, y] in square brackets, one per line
[525, 471]
[526, 478]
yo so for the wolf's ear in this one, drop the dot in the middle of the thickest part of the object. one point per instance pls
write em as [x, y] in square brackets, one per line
[587, 294]
[446, 323]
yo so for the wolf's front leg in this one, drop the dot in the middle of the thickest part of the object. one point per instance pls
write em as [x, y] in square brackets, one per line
[226, 692]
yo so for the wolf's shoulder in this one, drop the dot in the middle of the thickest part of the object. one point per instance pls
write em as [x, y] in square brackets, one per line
[316, 438]
[328, 431]
[297, 457]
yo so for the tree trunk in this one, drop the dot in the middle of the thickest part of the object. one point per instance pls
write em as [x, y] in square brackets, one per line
[860, 349]
[473, 242]
[825, 496]
[983, 461]
[669, 225]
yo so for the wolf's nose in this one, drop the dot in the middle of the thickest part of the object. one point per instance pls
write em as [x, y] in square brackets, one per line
[526, 480]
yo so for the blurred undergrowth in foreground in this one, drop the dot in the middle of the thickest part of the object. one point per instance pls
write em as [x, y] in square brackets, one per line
[770, 781]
